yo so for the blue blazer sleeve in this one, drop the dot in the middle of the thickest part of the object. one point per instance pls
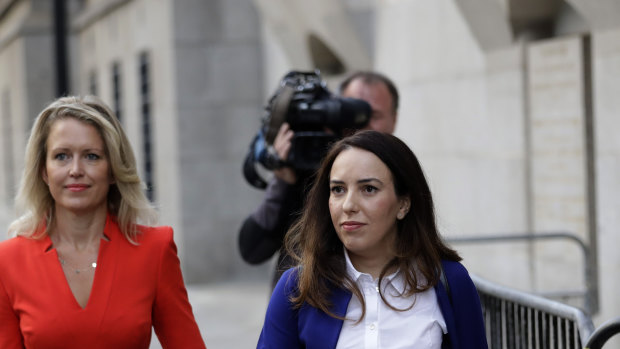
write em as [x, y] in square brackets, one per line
[461, 310]
[280, 326]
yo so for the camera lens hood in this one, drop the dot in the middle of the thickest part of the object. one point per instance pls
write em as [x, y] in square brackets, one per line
[279, 108]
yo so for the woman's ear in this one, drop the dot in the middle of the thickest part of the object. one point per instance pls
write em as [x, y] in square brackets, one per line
[405, 204]
[44, 175]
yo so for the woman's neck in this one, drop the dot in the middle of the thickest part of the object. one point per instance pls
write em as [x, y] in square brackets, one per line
[370, 265]
[78, 230]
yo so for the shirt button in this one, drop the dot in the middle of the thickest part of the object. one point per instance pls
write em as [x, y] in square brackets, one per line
[372, 327]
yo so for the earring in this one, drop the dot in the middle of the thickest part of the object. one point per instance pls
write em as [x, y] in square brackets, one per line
[400, 215]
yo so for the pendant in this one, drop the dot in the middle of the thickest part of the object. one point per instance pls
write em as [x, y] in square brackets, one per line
[64, 263]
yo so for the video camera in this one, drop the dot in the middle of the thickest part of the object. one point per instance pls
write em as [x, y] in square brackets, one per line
[317, 117]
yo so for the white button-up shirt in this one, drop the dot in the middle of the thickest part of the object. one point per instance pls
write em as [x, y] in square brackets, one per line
[422, 326]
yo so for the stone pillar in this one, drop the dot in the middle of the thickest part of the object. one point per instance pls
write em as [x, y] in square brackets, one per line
[559, 159]
[606, 63]
[217, 82]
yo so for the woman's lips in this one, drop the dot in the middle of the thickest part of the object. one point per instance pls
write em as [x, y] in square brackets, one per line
[349, 226]
[77, 187]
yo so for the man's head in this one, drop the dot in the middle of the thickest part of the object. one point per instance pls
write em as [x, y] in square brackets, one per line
[380, 92]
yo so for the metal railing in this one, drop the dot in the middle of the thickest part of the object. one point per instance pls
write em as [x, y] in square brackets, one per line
[604, 333]
[519, 320]
[589, 294]
[515, 319]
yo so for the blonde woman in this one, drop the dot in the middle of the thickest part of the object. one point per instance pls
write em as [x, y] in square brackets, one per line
[80, 271]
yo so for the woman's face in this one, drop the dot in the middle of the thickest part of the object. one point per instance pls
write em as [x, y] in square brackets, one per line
[76, 169]
[363, 204]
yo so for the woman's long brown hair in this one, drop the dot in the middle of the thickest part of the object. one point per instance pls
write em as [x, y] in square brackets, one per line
[313, 241]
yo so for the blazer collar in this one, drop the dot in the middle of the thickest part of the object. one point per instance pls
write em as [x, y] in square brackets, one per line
[111, 231]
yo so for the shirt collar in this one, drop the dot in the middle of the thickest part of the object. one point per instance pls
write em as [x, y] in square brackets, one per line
[398, 282]
[395, 279]
[351, 271]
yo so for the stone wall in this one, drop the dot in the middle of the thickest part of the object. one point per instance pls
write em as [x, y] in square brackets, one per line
[26, 86]
[606, 64]
[514, 129]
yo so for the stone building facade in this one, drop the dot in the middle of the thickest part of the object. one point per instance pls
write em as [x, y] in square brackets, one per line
[510, 105]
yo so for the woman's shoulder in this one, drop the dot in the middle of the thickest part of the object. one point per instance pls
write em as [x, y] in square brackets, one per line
[280, 304]
[290, 276]
[20, 247]
[161, 229]
[10, 245]
[287, 284]
[154, 234]
[455, 271]
[453, 266]
[18, 242]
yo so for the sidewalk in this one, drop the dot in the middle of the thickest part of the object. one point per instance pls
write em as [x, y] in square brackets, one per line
[230, 315]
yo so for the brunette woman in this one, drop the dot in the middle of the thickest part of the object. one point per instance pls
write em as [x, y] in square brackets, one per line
[373, 270]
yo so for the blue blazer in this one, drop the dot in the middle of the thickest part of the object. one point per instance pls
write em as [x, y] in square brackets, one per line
[308, 327]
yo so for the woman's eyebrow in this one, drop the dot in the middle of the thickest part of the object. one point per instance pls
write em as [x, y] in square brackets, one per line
[360, 181]
[368, 180]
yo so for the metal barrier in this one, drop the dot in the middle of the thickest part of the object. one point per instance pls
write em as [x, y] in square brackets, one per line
[603, 333]
[516, 319]
[519, 320]
[590, 294]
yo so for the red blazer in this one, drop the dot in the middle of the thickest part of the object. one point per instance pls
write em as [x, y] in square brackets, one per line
[136, 287]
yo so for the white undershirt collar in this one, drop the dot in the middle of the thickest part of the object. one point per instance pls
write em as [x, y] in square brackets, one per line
[395, 279]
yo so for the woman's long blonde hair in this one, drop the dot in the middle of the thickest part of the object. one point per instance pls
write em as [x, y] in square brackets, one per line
[126, 199]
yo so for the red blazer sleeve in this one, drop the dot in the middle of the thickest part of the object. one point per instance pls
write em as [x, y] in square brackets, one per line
[10, 334]
[173, 319]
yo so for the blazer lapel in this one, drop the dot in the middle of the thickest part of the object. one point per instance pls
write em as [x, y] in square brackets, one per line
[340, 300]
[319, 330]
[107, 263]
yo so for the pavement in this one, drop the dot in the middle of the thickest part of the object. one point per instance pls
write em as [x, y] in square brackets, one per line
[229, 314]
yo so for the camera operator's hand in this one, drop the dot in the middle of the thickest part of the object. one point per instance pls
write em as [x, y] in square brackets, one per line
[282, 145]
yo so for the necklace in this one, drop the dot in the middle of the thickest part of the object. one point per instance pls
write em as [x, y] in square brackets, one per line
[64, 263]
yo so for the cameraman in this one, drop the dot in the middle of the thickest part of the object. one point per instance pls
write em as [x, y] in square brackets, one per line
[262, 233]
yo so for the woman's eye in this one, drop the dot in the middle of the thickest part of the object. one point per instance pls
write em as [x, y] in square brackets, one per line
[337, 189]
[370, 189]
[92, 156]
[60, 156]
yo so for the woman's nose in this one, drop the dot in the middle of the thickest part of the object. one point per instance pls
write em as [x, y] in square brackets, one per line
[350, 202]
[76, 168]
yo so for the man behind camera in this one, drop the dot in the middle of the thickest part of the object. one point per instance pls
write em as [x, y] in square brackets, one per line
[262, 233]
